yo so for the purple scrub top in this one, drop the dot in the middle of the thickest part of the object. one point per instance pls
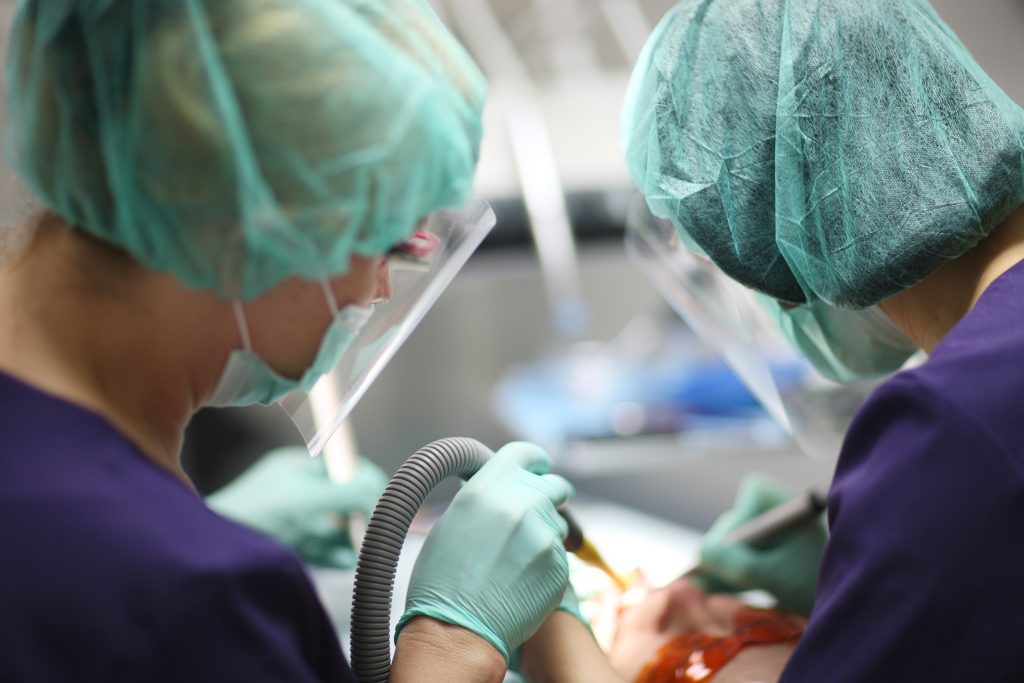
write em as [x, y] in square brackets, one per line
[113, 570]
[923, 578]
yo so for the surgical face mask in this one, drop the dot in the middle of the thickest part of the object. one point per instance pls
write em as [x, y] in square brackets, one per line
[247, 379]
[843, 345]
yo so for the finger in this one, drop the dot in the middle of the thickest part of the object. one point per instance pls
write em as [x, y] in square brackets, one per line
[360, 494]
[370, 473]
[528, 456]
[759, 493]
[297, 457]
[333, 549]
[746, 507]
[555, 488]
[723, 526]
[554, 521]
[340, 557]
[561, 526]
[323, 528]
[732, 564]
[323, 496]
[371, 481]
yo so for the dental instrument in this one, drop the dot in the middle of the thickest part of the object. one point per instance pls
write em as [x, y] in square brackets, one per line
[794, 512]
[580, 546]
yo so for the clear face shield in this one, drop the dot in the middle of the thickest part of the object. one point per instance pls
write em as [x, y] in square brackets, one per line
[738, 324]
[414, 276]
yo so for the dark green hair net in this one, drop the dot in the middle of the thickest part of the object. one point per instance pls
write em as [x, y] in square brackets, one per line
[234, 143]
[835, 150]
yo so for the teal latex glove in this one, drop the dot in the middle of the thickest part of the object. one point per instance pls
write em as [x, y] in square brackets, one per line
[571, 604]
[786, 566]
[288, 496]
[494, 563]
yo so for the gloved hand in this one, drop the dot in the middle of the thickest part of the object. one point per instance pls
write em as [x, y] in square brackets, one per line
[494, 563]
[785, 566]
[288, 496]
[571, 603]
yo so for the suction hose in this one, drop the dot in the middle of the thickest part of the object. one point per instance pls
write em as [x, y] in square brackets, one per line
[382, 544]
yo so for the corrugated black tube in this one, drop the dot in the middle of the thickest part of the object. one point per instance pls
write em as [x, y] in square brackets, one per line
[382, 544]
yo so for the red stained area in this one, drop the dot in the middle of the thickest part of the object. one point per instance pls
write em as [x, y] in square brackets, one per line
[698, 657]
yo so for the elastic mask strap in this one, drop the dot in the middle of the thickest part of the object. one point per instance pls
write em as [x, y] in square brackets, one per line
[243, 324]
[332, 303]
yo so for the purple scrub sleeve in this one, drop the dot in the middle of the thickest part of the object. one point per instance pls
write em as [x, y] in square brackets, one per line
[922, 577]
[114, 570]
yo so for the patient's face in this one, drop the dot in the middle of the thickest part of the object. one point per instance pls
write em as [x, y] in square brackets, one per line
[679, 608]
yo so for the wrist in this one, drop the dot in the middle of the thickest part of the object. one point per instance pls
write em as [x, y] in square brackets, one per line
[564, 651]
[429, 649]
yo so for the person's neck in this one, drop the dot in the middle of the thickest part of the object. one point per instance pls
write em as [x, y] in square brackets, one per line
[123, 352]
[927, 311]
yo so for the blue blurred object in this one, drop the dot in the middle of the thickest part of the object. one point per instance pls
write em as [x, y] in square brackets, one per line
[652, 379]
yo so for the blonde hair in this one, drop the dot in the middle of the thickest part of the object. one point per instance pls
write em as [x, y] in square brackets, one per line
[238, 142]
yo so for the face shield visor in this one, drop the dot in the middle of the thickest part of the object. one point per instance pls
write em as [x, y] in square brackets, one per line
[740, 326]
[415, 274]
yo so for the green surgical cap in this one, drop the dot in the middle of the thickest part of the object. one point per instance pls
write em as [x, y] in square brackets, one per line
[235, 143]
[835, 150]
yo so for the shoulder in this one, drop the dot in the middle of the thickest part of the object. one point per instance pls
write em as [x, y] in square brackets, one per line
[913, 449]
[228, 593]
[922, 418]
[141, 581]
[255, 617]
[235, 605]
[976, 370]
[924, 518]
[130, 574]
[912, 456]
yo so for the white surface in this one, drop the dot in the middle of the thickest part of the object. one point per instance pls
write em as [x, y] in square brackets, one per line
[628, 539]
[582, 119]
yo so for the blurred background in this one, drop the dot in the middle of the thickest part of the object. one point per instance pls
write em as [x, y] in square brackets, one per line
[551, 333]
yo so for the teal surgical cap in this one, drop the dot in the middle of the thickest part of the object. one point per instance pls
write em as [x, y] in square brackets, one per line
[234, 143]
[834, 150]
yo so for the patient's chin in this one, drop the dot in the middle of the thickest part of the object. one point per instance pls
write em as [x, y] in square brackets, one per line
[677, 608]
[644, 630]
